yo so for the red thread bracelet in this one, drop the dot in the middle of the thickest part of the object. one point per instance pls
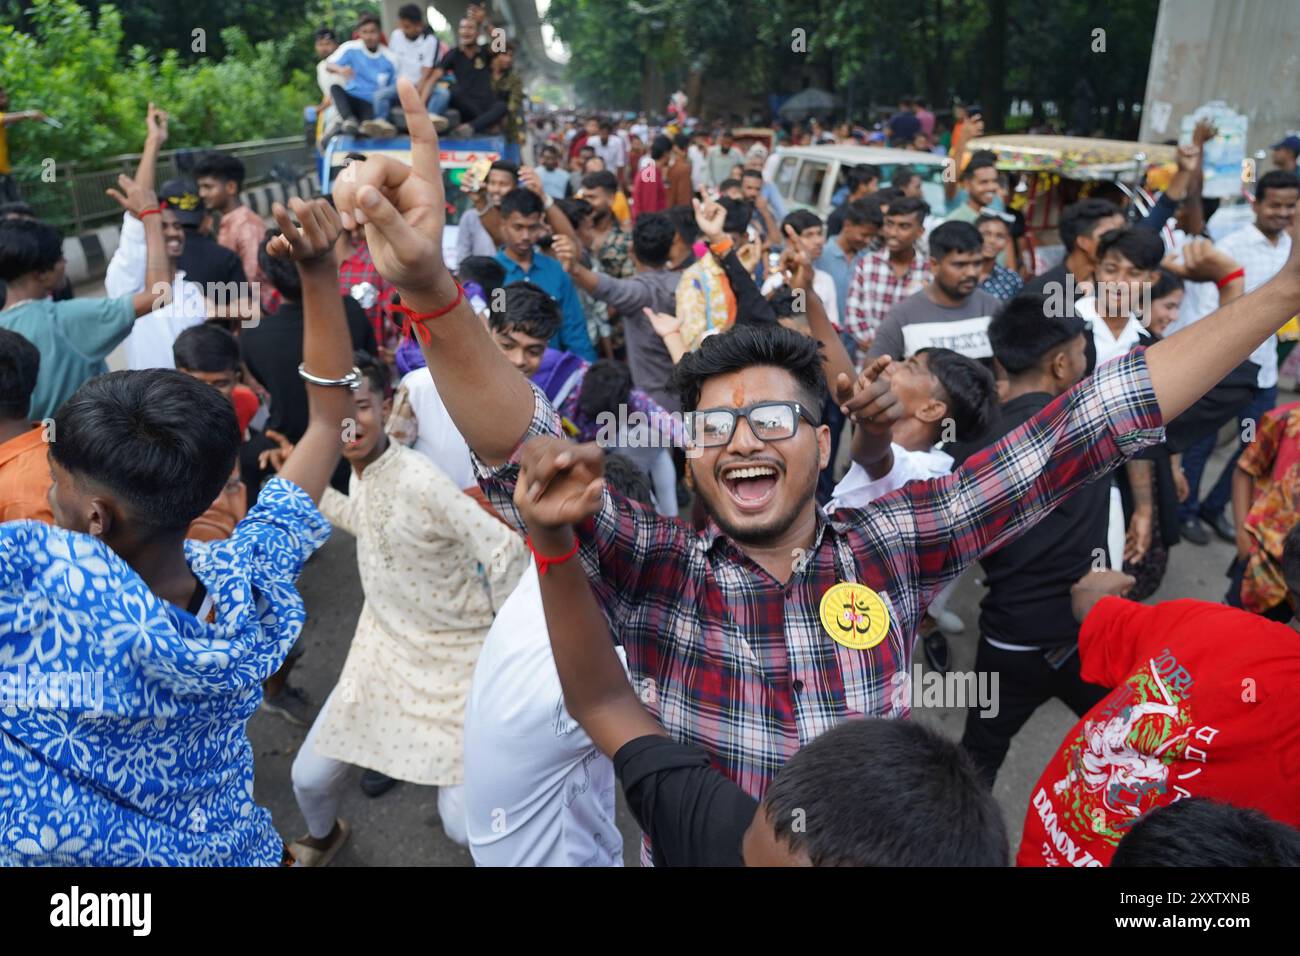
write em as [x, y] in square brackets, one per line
[1239, 274]
[543, 562]
[416, 320]
[149, 212]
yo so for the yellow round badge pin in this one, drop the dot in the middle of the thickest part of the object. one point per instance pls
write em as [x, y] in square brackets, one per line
[854, 616]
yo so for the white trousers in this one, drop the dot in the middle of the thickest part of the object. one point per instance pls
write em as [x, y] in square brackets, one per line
[318, 783]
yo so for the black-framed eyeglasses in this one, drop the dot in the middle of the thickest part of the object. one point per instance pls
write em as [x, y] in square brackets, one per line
[769, 421]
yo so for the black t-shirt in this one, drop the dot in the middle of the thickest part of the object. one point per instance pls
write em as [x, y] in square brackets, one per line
[693, 815]
[273, 351]
[904, 126]
[1057, 274]
[473, 76]
[1029, 579]
[206, 261]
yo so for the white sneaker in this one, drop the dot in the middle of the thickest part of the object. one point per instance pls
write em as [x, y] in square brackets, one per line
[378, 129]
[439, 122]
[948, 622]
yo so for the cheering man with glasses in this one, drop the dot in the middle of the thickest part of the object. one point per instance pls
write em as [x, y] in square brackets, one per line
[776, 621]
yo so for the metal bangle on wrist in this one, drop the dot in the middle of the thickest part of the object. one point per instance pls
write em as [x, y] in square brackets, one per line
[350, 380]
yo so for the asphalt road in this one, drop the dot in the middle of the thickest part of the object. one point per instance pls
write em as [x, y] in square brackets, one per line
[401, 827]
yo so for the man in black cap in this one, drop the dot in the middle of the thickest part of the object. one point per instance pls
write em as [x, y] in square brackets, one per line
[204, 260]
[1285, 152]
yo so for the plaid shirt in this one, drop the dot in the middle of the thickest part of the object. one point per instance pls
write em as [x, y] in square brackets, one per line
[358, 268]
[730, 659]
[875, 288]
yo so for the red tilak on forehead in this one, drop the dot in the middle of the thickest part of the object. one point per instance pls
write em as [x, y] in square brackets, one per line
[738, 395]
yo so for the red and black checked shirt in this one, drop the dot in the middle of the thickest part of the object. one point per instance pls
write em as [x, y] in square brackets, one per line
[873, 290]
[358, 268]
[728, 658]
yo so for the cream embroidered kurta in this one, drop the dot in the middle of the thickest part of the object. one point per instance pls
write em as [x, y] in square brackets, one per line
[434, 568]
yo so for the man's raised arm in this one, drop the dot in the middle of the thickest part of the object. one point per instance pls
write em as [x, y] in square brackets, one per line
[403, 210]
[1186, 365]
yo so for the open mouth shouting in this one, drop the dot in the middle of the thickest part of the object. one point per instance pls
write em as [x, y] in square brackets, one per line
[750, 484]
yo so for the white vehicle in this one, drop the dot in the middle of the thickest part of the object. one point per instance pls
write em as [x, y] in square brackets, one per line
[808, 176]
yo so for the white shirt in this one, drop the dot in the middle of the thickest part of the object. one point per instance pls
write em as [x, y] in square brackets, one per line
[1262, 260]
[1108, 344]
[1199, 298]
[438, 439]
[537, 791]
[150, 343]
[413, 56]
[614, 153]
[857, 489]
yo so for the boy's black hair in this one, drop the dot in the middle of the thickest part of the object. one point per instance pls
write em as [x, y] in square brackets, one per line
[746, 346]
[903, 177]
[601, 179]
[739, 214]
[908, 206]
[1142, 247]
[683, 218]
[161, 441]
[527, 308]
[575, 210]
[860, 175]
[783, 303]
[729, 183]
[801, 219]
[864, 212]
[374, 371]
[652, 238]
[980, 159]
[969, 390]
[1024, 332]
[953, 236]
[368, 18]
[1275, 179]
[485, 270]
[28, 246]
[660, 146]
[323, 32]
[1196, 831]
[879, 792]
[281, 273]
[606, 386]
[1081, 218]
[626, 479]
[206, 347]
[505, 166]
[410, 13]
[992, 217]
[1166, 284]
[221, 167]
[17, 210]
[20, 363]
[682, 141]
[751, 174]
[522, 201]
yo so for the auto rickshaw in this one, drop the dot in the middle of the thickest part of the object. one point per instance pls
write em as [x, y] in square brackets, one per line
[1048, 173]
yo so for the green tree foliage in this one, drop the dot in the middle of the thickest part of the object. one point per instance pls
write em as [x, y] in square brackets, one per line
[95, 71]
[868, 53]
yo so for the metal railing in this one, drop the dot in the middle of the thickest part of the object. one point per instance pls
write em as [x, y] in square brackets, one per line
[76, 201]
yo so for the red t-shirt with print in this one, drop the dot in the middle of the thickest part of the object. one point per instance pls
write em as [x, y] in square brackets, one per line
[1205, 704]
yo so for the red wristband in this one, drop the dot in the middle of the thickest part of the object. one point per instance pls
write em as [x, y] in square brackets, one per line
[149, 212]
[1239, 274]
[417, 319]
[543, 562]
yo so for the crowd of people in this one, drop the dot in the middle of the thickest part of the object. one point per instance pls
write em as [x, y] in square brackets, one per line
[657, 485]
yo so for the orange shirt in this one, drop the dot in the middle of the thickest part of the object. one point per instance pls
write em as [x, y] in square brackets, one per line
[25, 478]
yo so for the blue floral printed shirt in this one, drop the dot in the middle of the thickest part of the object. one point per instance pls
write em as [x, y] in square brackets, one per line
[122, 717]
